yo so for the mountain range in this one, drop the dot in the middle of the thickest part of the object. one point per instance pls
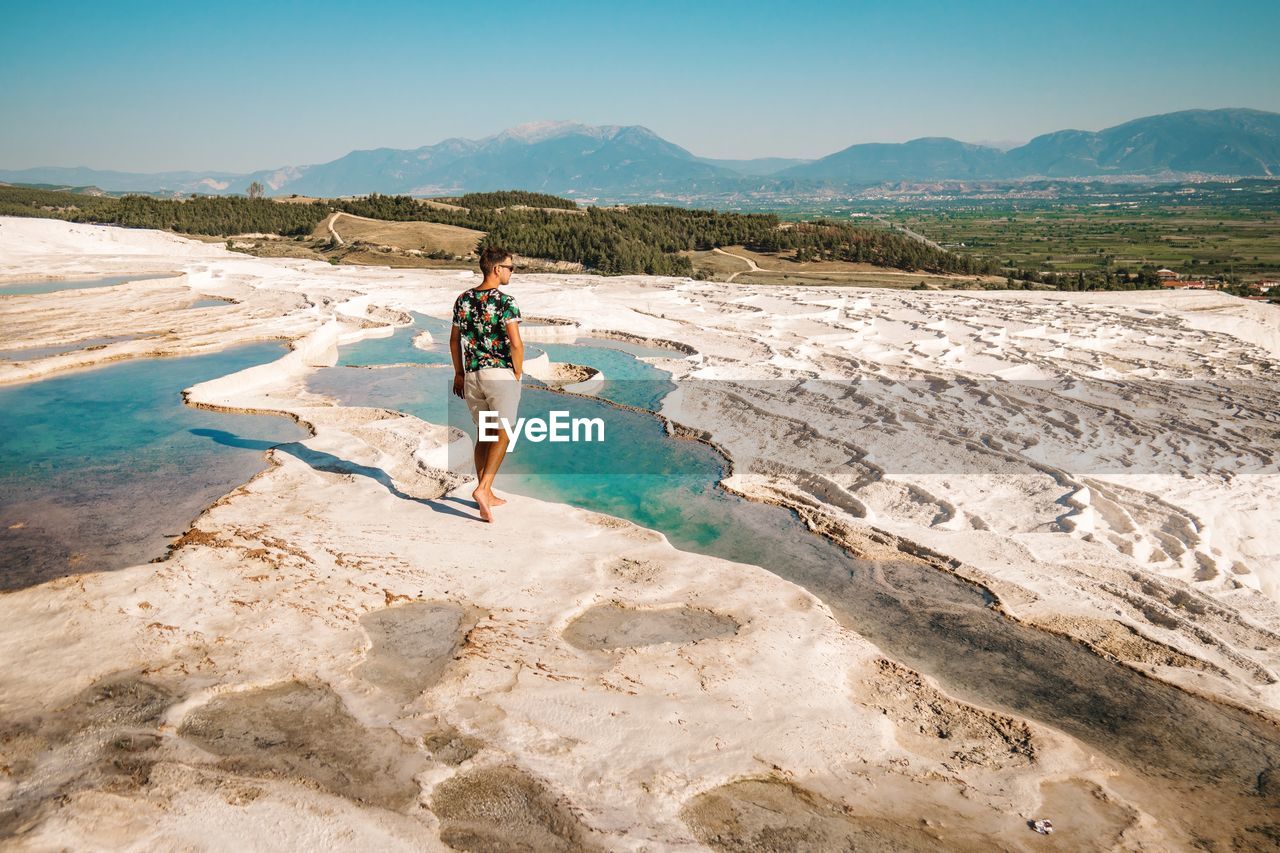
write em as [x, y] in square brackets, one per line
[615, 161]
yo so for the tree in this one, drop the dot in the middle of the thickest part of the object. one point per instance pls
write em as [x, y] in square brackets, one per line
[256, 190]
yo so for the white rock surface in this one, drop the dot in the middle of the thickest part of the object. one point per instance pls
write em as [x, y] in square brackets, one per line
[272, 583]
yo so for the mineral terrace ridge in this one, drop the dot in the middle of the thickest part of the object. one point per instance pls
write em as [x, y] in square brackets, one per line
[330, 659]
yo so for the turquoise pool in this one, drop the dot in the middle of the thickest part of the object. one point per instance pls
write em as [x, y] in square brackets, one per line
[101, 468]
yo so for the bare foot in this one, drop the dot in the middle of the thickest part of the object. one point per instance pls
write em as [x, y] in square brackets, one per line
[482, 501]
[494, 500]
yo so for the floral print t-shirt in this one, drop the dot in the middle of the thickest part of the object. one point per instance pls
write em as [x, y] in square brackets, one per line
[482, 317]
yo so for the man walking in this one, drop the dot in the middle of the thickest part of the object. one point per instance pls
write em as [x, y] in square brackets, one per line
[486, 322]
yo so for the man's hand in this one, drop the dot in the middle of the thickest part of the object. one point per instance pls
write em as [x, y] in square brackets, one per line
[457, 384]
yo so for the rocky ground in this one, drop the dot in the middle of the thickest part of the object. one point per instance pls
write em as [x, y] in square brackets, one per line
[339, 654]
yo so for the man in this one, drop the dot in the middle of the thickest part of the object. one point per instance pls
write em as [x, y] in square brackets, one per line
[487, 375]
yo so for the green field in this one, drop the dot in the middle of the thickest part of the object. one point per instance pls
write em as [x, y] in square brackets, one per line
[1228, 229]
[1197, 242]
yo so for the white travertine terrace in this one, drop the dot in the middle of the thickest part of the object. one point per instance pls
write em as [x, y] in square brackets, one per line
[276, 582]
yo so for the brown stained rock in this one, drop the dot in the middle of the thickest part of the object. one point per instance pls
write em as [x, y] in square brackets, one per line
[195, 536]
[942, 728]
[1122, 641]
[302, 732]
[505, 809]
[635, 571]
[777, 816]
[606, 627]
[411, 645]
[1084, 817]
[568, 374]
[631, 531]
[448, 746]
[105, 738]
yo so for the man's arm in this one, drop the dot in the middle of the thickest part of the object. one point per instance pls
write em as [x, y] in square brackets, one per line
[517, 347]
[455, 350]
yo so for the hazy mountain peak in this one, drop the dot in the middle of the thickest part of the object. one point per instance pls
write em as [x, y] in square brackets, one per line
[533, 132]
[540, 131]
[571, 157]
[941, 141]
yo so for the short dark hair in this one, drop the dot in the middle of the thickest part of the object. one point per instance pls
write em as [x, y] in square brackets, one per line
[490, 257]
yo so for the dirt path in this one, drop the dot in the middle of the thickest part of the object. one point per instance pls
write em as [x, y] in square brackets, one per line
[751, 265]
[333, 233]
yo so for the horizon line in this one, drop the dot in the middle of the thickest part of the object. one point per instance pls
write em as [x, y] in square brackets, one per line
[570, 122]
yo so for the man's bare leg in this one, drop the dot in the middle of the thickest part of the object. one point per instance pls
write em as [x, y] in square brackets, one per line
[481, 454]
[494, 500]
[484, 490]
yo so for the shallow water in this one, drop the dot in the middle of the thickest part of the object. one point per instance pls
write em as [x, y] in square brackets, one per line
[209, 302]
[398, 348]
[34, 286]
[924, 617]
[29, 353]
[640, 350]
[657, 471]
[101, 468]
[628, 380]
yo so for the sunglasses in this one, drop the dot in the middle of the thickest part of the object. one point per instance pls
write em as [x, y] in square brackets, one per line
[511, 267]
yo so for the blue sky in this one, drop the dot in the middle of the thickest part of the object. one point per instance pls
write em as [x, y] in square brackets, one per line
[234, 86]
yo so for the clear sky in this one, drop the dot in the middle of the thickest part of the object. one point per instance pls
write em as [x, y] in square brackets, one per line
[238, 86]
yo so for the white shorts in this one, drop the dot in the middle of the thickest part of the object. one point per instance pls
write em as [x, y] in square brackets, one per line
[493, 389]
